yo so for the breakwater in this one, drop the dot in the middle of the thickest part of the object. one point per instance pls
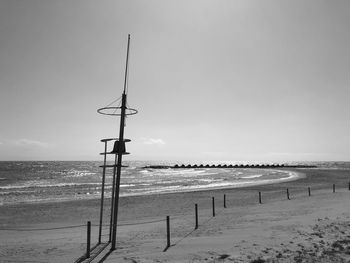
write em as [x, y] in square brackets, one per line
[260, 166]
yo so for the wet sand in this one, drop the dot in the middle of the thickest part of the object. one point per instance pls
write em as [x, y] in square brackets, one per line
[303, 228]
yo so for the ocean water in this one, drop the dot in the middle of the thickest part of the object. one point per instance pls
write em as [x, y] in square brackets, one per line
[42, 181]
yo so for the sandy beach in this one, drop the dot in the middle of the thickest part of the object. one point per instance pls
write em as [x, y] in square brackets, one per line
[305, 228]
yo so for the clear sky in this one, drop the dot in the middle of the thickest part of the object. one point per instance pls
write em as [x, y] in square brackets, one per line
[212, 80]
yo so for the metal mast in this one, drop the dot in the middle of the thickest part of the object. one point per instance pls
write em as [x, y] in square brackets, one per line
[120, 152]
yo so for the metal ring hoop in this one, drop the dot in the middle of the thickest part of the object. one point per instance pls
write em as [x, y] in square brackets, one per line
[112, 111]
[114, 139]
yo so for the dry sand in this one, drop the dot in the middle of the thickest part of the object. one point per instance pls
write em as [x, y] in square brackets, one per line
[303, 229]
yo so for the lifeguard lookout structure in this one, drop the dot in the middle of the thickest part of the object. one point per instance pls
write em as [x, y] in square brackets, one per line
[120, 110]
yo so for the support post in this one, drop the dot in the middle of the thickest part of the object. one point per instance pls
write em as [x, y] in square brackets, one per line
[196, 215]
[349, 186]
[112, 200]
[224, 201]
[168, 231]
[88, 239]
[213, 204]
[288, 194]
[333, 188]
[102, 193]
[260, 198]
[309, 190]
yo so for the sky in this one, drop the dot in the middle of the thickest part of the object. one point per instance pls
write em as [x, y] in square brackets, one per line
[242, 80]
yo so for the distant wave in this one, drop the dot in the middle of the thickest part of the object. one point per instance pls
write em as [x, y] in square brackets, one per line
[78, 173]
[30, 185]
[127, 185]
[252, 176]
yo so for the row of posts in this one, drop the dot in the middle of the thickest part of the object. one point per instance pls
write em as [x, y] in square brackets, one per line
[196, 220]
[213, 212]
[88, 241]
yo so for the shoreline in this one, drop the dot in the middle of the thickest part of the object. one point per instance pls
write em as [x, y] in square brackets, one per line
[293, 175]
[316, 179]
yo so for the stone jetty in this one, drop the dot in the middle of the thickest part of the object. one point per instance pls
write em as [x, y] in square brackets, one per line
[260, 166]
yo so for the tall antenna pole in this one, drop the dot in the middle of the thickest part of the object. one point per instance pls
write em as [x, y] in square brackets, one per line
[126, 66]
[120, 153]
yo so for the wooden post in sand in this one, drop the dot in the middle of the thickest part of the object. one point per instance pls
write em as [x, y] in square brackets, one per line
[224, 201]
[196, 215]
[168, 231]
[288, 194]
[333, 188]
[309, 190]
[88, 239]
[260, 198]
[213, 204]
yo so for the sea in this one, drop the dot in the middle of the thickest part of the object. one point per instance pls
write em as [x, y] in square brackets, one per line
[56, 181]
